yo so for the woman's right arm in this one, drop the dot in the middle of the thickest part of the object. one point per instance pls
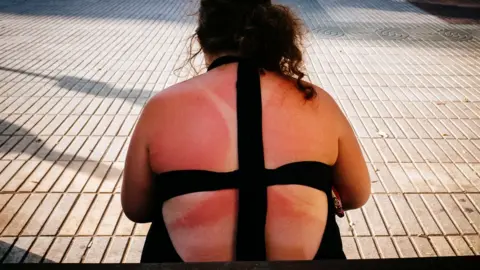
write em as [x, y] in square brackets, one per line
[351, 177]
[352, 180]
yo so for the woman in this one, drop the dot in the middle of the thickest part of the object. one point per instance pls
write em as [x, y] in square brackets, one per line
[239, 163]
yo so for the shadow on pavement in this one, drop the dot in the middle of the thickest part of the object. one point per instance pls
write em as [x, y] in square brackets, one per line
[164, 10]
[13, 254]
[76, 84]
[37, 146]
[454, 12]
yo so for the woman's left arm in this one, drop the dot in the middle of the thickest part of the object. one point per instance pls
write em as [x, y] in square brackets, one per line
[137, 190]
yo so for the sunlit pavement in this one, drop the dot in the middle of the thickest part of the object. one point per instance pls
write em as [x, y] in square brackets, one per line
[75, 74]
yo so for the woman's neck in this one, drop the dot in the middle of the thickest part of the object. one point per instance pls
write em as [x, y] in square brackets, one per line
[209, 59]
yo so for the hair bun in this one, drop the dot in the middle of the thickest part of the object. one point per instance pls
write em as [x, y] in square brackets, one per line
[270, 34]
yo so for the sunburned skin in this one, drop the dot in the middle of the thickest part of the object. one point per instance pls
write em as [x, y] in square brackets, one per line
[201, 209]
[296, 220]
[202, 225]
[209, 127]
[193, 126]
[205, 221]
[201, 215]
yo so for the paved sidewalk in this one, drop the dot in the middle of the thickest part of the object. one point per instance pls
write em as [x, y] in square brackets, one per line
[74, 75]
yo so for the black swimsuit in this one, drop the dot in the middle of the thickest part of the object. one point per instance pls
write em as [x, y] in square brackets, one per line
[251, 180]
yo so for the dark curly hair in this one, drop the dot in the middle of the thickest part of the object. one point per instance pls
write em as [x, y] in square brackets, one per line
[270, 34]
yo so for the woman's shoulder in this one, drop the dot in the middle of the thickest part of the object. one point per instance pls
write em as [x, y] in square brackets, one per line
[327, 107]
[180, 88]
[181, 92]
[323, 100]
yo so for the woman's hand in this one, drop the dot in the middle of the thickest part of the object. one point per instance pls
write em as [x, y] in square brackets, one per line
[337, 203]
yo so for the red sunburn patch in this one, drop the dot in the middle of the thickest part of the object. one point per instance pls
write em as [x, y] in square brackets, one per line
[292, 206]
[212, 209]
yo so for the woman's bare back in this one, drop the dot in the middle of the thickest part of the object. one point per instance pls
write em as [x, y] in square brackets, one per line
[196, 128]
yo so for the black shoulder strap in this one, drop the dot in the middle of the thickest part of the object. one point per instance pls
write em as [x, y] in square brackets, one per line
[252, 204]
